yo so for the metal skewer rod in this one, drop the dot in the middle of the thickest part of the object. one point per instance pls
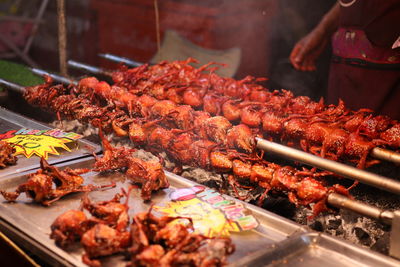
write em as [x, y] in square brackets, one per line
[330, 165]
[342, 202]
[389, 217]
[334, 199]
[124, 60]
[88, 68]
[385, 154]
[12, 86]
[57, 78]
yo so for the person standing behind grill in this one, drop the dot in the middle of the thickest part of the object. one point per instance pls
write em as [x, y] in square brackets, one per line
[365, 67]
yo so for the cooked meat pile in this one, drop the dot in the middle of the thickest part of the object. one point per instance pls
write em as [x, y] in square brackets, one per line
[150, 241]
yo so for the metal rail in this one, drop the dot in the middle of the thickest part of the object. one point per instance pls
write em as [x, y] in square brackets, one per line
[389, 217]
[330, 165]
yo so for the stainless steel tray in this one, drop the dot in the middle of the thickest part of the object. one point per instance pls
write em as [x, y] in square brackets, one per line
[13, 121]
[316, 249]
[29, 224]
[275, 242]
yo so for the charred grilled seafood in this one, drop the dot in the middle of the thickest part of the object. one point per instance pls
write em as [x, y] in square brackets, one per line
[49, 184]
[328, 131]
[114, 158]
[149, 174]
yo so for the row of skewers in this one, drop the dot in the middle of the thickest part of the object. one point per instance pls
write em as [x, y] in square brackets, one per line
[167, 128]
[224, 136]
[329, 131]
[217, 129]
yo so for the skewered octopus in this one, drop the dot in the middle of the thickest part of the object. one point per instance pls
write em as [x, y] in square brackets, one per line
[183, 117]
[318, 136]
[188, 149]
[6, 155]
[301, 185]
[49, 184]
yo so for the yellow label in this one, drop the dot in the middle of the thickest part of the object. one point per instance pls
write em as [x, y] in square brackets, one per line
[30, 142]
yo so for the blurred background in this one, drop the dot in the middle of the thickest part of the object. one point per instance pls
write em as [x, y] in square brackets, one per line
[253, 37]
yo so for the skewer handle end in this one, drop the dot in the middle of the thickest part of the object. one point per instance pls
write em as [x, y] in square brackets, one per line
[118, 59]
[12, 86]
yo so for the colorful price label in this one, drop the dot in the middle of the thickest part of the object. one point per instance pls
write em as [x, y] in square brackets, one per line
[212, 214]
[41, 143]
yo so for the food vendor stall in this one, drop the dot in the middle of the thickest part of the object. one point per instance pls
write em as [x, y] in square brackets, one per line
[187, 165]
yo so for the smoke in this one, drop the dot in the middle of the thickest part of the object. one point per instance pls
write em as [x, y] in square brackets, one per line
[264, 31]
[294, 20]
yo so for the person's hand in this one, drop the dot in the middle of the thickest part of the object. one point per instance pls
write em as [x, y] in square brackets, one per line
[307, 50]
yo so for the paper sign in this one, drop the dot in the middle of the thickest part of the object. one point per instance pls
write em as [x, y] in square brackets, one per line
[212, 214]
[41, 143]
